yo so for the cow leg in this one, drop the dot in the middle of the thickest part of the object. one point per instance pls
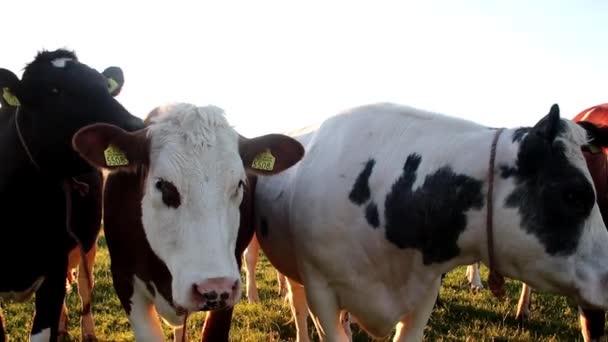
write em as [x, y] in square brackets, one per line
[324, 310]
[87, 324]
[282, 280]
[345, 320]
[63, 321]
[178, 334]
[473, 277]
[299, 309]
[523, 306]
[144, 319]
[2, 327]
[592, 324]
[49, 300]
[411, 327]
[251, 259]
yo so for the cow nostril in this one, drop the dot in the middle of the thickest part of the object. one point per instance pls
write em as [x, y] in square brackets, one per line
[224, 296]
[211, 295]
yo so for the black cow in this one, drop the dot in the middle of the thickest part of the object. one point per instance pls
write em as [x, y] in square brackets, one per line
[56, 96]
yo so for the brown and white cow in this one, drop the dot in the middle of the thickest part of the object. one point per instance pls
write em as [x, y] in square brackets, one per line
[171, 209]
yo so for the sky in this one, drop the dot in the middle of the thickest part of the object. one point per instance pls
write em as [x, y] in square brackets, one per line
[275, 66]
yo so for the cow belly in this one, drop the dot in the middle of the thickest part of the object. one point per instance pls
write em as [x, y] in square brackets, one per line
[21, 296]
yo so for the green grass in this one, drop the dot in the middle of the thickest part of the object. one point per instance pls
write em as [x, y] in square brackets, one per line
[463, 315]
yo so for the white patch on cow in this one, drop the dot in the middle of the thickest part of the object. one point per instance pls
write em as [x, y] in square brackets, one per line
[142, 317]
[21, 296]
[196, 150]
[60, 62]
[43, 336]
[163, 307]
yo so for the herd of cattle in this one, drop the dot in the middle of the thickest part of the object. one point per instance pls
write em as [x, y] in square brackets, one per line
[360, 215]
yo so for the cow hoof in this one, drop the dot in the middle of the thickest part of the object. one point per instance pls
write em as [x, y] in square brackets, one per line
[89, 338]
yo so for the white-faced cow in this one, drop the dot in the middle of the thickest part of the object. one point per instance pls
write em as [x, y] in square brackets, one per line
[388, 197]
[56, 96]
[171, 209]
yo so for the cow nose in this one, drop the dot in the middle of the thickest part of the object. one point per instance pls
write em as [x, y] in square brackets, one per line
[216, 293]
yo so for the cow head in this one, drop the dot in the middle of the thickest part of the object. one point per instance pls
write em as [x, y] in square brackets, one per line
[549, 227]
[55, 97]
[195, 168]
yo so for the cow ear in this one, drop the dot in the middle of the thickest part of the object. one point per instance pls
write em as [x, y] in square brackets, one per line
[597, 134]
[269, 154]
[9, 84]
[549, 125]
[116, 79]
[109, 147]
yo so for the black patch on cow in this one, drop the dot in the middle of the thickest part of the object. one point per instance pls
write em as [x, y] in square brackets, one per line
[519, 134]
[264, 227]
[432, 217]
[552, 196]
[360, 192]
[171, 196]
[507, 171]
[371, 214]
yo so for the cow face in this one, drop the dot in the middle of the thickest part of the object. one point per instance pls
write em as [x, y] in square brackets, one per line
[196, 169]
[560, 241]
[55, 97]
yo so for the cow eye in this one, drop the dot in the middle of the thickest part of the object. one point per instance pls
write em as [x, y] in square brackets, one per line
[55, 91]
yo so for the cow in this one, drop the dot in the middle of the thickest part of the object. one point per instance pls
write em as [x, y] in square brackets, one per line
[56, 95]
[375, 212]
[592, 321]
[172, 204]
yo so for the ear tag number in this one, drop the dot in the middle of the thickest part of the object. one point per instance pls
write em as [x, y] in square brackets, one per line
[264, 161]
[115, 157]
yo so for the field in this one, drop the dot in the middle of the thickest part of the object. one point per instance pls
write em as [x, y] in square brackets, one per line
[463, 315]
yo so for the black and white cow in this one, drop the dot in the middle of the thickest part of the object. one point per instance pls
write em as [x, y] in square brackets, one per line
[56, 96]
[388, 197]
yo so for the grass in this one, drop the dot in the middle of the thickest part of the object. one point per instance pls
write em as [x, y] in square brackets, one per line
[463, 315]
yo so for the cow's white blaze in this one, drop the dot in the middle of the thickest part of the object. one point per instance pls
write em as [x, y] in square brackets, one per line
[196, 150]
[60, 62]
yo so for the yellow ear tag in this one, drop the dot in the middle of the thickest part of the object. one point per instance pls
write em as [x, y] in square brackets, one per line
[115, 157]
[10, 98]
[264, 161]
[112, 85]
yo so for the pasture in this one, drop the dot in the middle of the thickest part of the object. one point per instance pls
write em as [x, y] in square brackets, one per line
[463, 315]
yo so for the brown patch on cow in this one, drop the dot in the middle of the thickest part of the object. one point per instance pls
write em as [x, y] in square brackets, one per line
[171, 196]
[128, 246]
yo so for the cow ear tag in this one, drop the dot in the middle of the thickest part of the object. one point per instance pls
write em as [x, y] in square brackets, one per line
[10, 98]
[112, 85]
[115, 157]
[264, 161]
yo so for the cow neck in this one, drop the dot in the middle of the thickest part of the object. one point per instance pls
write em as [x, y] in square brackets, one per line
[495, 280]
[68, 184]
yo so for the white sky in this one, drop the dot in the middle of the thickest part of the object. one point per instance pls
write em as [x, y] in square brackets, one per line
[279, 65]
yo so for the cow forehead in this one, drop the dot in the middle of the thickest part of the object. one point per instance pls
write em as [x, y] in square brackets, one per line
[194, 140]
